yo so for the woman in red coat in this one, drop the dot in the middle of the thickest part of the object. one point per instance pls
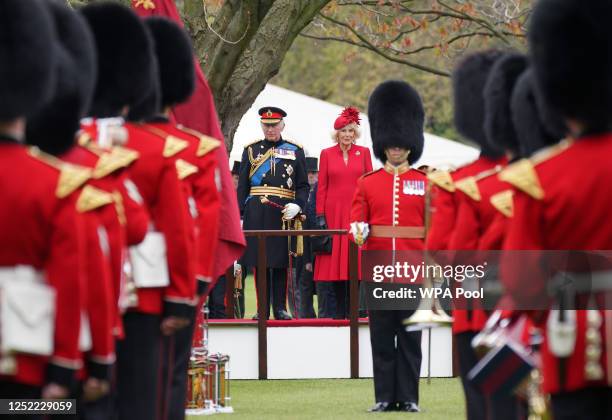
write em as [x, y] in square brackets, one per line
[339, 168]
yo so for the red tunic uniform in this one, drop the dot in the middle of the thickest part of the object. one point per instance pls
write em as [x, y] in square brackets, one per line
[126, 221]
[337, 183]
[198, 166]
[41, 228]
[444, 219]
[391, 198]
[156, 177]
[553, 213]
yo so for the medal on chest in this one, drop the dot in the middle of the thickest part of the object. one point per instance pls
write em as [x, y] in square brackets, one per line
[413, 187]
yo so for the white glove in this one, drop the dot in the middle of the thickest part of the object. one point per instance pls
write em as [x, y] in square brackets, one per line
[290, 211]
[237, 269]
[360, 232]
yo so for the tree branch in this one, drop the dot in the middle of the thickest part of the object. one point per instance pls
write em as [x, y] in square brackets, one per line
[372, 47]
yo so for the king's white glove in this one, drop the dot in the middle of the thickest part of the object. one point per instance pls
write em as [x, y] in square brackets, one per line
[290, 211]
[360, 232]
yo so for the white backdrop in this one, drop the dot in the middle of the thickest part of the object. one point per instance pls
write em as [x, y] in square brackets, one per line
[310, 122]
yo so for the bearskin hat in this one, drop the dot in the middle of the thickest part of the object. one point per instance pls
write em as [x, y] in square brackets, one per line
[26, 57]
[125, 54]
[497, 93]
[571, 44]
[54, 126]
[528, 118]
[469, 79]
[396, 119]
[175, 57]
[149, 104]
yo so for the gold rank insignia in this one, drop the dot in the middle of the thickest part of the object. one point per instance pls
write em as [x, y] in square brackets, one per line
[174, 145]
[502, 201]
[442, 179]
[184, 168]
[118, 157]
[91, 198]
[207, 143]
[469, 187]
[523, 176]
[71, 176]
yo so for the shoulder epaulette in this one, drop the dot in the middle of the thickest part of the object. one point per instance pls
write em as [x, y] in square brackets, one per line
[522, 175]
[370, 173]
[294, 143]
[442, 179]
[92, 198]
[207, 143]
[502, 201]
[251, 143]
[118, 157]
[485, 174]
[174, 145]
[71, 176]
[548, 152]
[469, 187]
[185, 168]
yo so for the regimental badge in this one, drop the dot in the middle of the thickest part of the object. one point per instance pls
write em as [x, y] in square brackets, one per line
[258, 157]
[414, 187]
[289, 182]
[357, 153]
[289, 170]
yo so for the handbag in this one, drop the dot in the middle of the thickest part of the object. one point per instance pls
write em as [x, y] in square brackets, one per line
[321, 244]
[27, 312]
[149, 261]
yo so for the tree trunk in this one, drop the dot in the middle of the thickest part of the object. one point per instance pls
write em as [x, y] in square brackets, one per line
[251, 40]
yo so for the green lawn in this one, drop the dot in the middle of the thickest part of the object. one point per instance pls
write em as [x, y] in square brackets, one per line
[335, 399]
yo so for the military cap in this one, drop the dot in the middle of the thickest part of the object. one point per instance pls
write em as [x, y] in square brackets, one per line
[271, 114]
[312, 164]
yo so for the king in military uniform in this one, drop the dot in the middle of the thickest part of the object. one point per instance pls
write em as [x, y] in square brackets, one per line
[272, 186]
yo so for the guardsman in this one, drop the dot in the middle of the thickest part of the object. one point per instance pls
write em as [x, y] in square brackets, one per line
[483, 196]
[560, 202]
[197, 167]
[469, 79]
[272, 169]
[390, 204]
[41, 231]
[53, 130]
[161, 265]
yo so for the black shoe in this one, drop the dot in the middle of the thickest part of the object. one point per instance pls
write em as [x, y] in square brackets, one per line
[409, 407]
[382, 406]
[282, 315]
[363, 313]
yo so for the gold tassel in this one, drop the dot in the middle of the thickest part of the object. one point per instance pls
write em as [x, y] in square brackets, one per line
[299, 246]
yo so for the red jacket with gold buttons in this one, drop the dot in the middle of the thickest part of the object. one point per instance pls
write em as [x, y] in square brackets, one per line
[40, 227]
[391, 197]
[560, 203]
[198, 166]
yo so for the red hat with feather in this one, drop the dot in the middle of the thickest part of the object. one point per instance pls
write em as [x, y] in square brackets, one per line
[347, 116]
